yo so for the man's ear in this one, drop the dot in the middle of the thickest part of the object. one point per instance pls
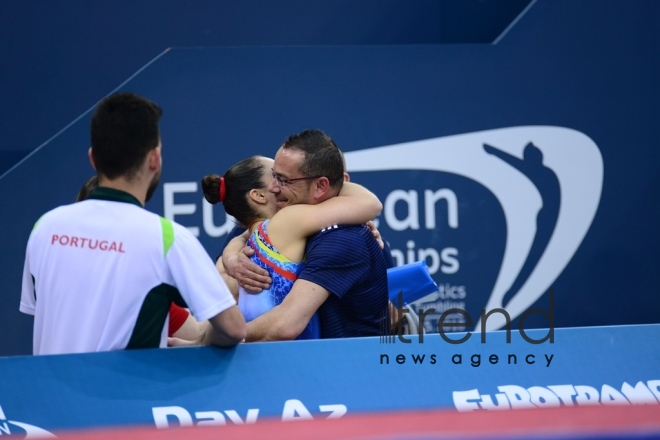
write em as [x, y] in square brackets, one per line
[91, 157]
[154, 159]
[322, 189]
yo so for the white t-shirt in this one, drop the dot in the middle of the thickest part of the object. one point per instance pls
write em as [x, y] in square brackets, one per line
[101, 274]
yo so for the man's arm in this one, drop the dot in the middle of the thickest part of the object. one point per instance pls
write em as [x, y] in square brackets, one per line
[202, 288]
[28, 302]
[288, 320]
[227, 328]
[231, 282]
[191, 329]
[237, 263]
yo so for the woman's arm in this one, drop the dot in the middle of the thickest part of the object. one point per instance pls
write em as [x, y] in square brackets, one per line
[353, 205]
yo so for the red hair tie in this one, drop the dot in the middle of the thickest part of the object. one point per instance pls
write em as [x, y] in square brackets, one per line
[223, 189]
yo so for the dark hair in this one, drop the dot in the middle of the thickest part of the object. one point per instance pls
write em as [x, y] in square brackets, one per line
[322, 156]
[90, 185]
[239, 180]
[124, 129]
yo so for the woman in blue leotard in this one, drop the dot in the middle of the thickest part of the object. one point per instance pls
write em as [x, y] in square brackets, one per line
[279, 237]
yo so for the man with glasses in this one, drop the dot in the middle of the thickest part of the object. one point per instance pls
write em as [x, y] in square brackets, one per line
[345, 277]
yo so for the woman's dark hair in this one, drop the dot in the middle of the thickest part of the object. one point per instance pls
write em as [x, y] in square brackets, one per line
[90, 185]
[239, 180]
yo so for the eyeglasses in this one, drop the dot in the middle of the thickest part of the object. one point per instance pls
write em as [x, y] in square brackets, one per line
[282, 181]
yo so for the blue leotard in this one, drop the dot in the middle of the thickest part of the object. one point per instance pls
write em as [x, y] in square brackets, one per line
[283, 272]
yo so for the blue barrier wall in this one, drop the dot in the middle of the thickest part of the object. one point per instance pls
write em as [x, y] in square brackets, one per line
[330, 378]
[514, 168]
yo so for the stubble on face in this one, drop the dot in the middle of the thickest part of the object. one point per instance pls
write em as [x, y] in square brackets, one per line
[152, 186]
[155, 180]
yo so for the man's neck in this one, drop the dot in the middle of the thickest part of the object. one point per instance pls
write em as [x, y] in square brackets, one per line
[122, 184]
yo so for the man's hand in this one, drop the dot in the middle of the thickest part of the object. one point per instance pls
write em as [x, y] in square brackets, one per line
[376, 233]
[225, 329]
[250, 277]
[178, 342]
[173, 341]
[394, 316]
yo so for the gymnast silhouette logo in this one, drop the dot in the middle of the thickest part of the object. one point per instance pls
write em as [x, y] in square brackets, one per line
[30, 431]
[548, 181]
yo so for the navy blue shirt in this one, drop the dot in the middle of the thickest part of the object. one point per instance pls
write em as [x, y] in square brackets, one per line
[347, 261]
[238, 230]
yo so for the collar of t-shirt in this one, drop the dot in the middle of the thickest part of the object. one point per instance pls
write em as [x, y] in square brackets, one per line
[113, 195]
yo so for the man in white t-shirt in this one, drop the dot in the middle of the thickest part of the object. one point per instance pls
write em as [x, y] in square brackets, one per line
[101, 274]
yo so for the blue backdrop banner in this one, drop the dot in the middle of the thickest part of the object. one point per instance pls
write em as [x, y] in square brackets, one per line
[513, 169]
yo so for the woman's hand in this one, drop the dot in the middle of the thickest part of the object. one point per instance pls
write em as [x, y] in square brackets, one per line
[376, 233]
